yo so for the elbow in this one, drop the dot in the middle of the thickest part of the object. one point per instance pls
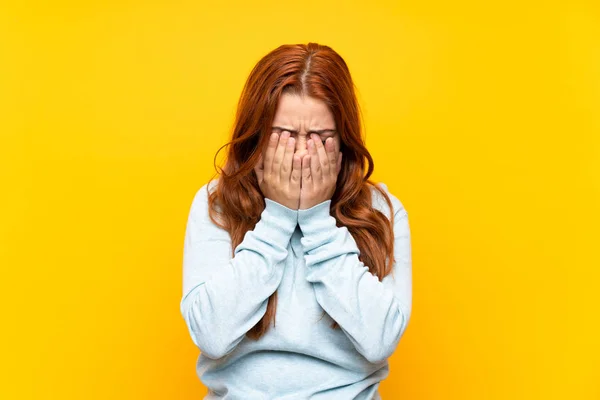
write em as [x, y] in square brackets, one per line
[205, 337]
[209, 345]
[379, 351]
[212, 349]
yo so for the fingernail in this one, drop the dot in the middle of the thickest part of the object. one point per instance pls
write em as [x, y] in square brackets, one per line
[310, 143]
[273, 136]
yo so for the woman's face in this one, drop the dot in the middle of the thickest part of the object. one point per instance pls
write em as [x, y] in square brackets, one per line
[305, 118]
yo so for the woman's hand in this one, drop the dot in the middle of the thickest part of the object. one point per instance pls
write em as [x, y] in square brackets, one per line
[279, 171]
[320, 169]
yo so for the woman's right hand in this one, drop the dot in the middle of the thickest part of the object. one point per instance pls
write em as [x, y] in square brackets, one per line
[279, 171]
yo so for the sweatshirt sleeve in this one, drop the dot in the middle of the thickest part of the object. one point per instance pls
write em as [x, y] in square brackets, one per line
[373, 314]
[225, 296]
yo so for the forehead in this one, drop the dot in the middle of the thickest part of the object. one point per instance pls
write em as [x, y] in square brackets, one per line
[293, 109]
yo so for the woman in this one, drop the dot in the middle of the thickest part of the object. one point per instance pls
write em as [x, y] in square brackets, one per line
[297, 277]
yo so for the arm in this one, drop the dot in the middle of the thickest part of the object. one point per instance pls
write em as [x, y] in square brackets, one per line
[224, 297]
[373, 314]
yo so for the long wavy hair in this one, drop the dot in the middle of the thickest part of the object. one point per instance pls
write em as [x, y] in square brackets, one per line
[236, 203]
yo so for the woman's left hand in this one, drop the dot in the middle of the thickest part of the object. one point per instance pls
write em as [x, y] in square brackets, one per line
[320, 169]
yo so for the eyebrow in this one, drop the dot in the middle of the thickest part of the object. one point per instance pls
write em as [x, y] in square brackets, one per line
[319, 131]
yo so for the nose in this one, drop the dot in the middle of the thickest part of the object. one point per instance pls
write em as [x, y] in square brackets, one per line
[301, 148]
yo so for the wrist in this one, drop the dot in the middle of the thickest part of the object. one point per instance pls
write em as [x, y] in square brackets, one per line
[316, 218]
[308, 204]
[289, 204]
[287, 218]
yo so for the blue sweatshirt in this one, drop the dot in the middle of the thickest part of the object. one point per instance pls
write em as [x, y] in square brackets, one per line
[314, 266]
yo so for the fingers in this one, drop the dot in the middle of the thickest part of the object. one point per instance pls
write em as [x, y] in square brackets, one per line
[278, 157]
[286, 167]
[296, 176]
[331, 156]
[339, 163]
[259, 169]
[306, 173]
[270, 154]
[322, 154]
[315, 165]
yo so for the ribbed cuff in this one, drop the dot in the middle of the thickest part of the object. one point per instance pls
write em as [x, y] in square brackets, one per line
[277, 222]
[316, 219]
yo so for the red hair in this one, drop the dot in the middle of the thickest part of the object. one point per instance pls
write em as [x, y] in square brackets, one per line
[236, 204]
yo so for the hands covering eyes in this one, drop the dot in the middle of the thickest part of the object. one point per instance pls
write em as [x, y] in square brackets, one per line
[298, 182]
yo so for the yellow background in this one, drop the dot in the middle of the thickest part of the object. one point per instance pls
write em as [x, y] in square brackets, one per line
[482, 117]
